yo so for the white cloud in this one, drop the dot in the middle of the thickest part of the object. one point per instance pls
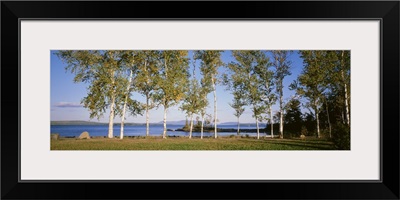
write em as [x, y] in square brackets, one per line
[68, 105]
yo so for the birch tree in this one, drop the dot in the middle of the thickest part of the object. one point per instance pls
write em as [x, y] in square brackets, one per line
[344, 71]
[210, 62]
[192, 102]
[235, 82]
[312, 82]
[172, 80]
[268, 96]
[129, 71]
[238, 105]
[281, 63]
[249, 62]
[203, 104]
[145, 81]
[101, 70]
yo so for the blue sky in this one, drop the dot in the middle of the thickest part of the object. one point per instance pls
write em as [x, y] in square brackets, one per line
[66, 96]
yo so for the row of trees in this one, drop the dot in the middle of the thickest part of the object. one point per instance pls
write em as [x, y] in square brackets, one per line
[161, 76]
[255, 79]
[253, 82]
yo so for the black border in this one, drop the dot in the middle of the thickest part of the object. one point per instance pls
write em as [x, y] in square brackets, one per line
[387, 12]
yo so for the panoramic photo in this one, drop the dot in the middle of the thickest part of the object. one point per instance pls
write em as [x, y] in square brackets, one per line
[200, 100]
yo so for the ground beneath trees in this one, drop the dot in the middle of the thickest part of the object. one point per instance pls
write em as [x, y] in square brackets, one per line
[184, 143]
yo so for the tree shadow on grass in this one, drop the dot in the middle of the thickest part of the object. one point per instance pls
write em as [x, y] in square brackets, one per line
[316, 146]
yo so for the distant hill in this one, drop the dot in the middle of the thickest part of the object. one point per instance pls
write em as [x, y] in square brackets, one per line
[77, 122]
[243, 124]
[181, 122]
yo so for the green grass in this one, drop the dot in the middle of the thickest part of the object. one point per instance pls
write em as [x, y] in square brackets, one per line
[156, 143]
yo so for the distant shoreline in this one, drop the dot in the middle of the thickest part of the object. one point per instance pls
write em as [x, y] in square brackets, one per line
[81, 123]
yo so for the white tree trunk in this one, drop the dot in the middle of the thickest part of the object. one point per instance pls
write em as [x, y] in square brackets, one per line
[165, 108]
[147, 116]
[238, 127]
[329, 121]
[317, 117]
[202, 123]
[165, 123]
[215, 109]
[346, 99]
[281, 115]
[111, 120]
[121, 134]
[258, 130]
[191, 126]
[347, 104]
[271, 121]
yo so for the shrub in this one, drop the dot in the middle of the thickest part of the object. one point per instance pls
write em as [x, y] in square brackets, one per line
[232, 136]
[247, 135]
[304, 131]
[341, 136]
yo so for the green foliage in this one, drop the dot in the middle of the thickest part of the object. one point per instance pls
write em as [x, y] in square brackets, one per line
[210, 61]
[83, 64]
[309, 123]
[135, 107]
[293, 117]
[281, 63]
[304, 130]
[173, 77]
[102, 69]
[238, 104]
[341, 136]
[194, 101]
[147, 62]
[324, 80]
[186, 126]
[246, 81]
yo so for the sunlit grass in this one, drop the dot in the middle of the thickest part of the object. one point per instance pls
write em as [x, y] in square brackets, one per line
[181, 143]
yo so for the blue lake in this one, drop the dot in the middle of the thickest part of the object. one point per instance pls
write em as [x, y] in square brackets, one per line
[139, 130]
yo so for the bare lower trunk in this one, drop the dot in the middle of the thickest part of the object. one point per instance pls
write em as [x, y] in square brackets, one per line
[281, 116]
[191, 126]
[317, 117]
[272, 122]
[165, 123]
[147, 116]
[215, 111]
[111, 120]
[121, 134]
[346, 99]
[238, 127]
[343, 120]
[202, 124]
[329, 121]
[258, 130]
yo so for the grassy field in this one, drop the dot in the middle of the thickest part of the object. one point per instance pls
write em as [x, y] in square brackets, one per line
[156, 143]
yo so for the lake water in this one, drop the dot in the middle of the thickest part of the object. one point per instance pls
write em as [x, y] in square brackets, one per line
[139, 130]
